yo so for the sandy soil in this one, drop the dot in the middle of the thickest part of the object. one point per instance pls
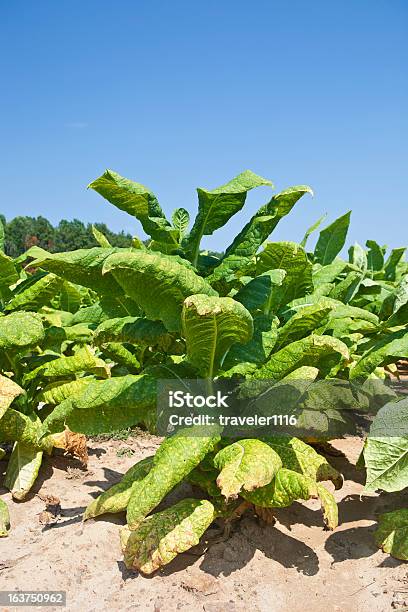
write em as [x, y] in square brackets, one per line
[290, 567]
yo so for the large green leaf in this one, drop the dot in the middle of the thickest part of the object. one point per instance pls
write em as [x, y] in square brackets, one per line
[322, 352]
[57, 392]
[257, 230]
[83, 361]
[105, 406]
[175, 459]
[20, 329]
[388, 349]
[216, 207]
[331, 240]
[9, 390]
[83, 267]
[292, 258]
[162, 536]
[138, 201]
[158, 283]
[36, 295]
[302, 323]
[22, 469]
[211, 325]
[392, 533]
[386, 449]
[246, 464]
[116, 498]
[4, 516]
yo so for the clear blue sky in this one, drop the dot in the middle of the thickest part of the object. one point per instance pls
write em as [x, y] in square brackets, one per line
[183, 94]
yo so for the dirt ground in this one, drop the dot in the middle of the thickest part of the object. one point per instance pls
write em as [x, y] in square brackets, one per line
[290, 567]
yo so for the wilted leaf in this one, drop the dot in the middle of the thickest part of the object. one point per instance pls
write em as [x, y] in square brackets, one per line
[392, 533]
[162, 536]
[158, 283]
[22, 469]
[246, 464]
[175, 459]
[116, 498]
[9, 390]
[285, 488]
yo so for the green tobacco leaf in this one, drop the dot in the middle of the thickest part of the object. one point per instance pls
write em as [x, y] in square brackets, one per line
[158, 283]
[392, 533]
[331, 240]
[9, 390]
[302, 323]
[386, 449]
[164, 535]
[4, 516]
[258, 292]
[285, 488]
[298, 456]
[36, 295]
[375, 256]
[22, 469]
[246, 464]
[216, 207]
[322, 352]
[312, 229]
[390, 267]
[133, 330]
[116, 498]
[138, 201]
[329, 507]
[20, 329]
[83, 267]
[388, 349]
[346, 289]
[57, 392]
[106, 405]
[175, 459]
[83, 361]
[290, 257]
[257, 230]
[211, 325]
[100, 238]
[180, 220]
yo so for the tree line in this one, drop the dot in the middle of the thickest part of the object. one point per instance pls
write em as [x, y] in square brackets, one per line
[21, 233]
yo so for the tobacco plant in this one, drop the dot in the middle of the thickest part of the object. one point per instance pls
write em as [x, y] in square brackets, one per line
[165, 309]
